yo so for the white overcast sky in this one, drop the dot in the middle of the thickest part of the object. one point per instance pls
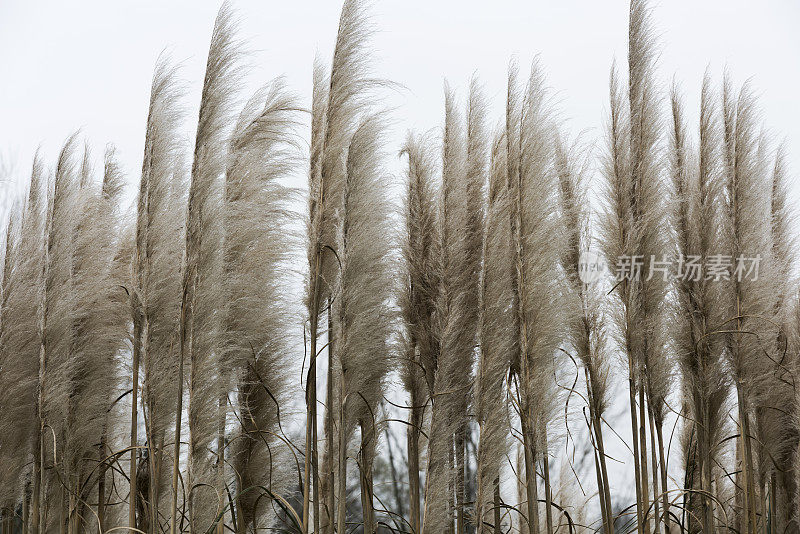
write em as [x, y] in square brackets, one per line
[88, 64]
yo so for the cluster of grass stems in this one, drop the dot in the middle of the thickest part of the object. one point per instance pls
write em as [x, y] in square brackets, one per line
[146, 359]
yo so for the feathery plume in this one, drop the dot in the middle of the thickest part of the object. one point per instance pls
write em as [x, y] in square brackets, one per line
[316, 202]
[35, 227]
[648, 226]
[335, 117]
[497, 343]
[449, 385]
[777, 434]
[749, 300]
[364, 317]
[20, 344]
[695, 186]
[477, 145]
[156, 277]
[633, 230]
[418, 301]
[541, 315]
[616, 229]
[257, 240]
[100, 331]
[12, 449]
[586, 332]
[201, 296]
[59, 326]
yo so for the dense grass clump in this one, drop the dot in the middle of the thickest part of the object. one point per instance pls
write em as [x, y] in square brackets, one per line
[454, 366]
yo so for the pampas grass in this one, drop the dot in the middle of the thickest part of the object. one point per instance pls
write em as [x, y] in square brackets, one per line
[497, 344]
[363, 318]
[336, 112]
[59, 327]
[749, 310]
[696, 189]
[418, 302]
[776, 422]
[201, 298]
[648, 220]
[453, 365]
[464, 319]
[257, 240]
[100, 330]
[633, 226]
[467, 316]
[587, 334]
[156, 278]
[20, 345]
[13, 457]
[541, 317]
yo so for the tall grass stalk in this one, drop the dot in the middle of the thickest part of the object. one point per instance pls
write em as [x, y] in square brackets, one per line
[497, 342]
[418, 303]
[586, 334]
[334, 118]
[200, 263]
